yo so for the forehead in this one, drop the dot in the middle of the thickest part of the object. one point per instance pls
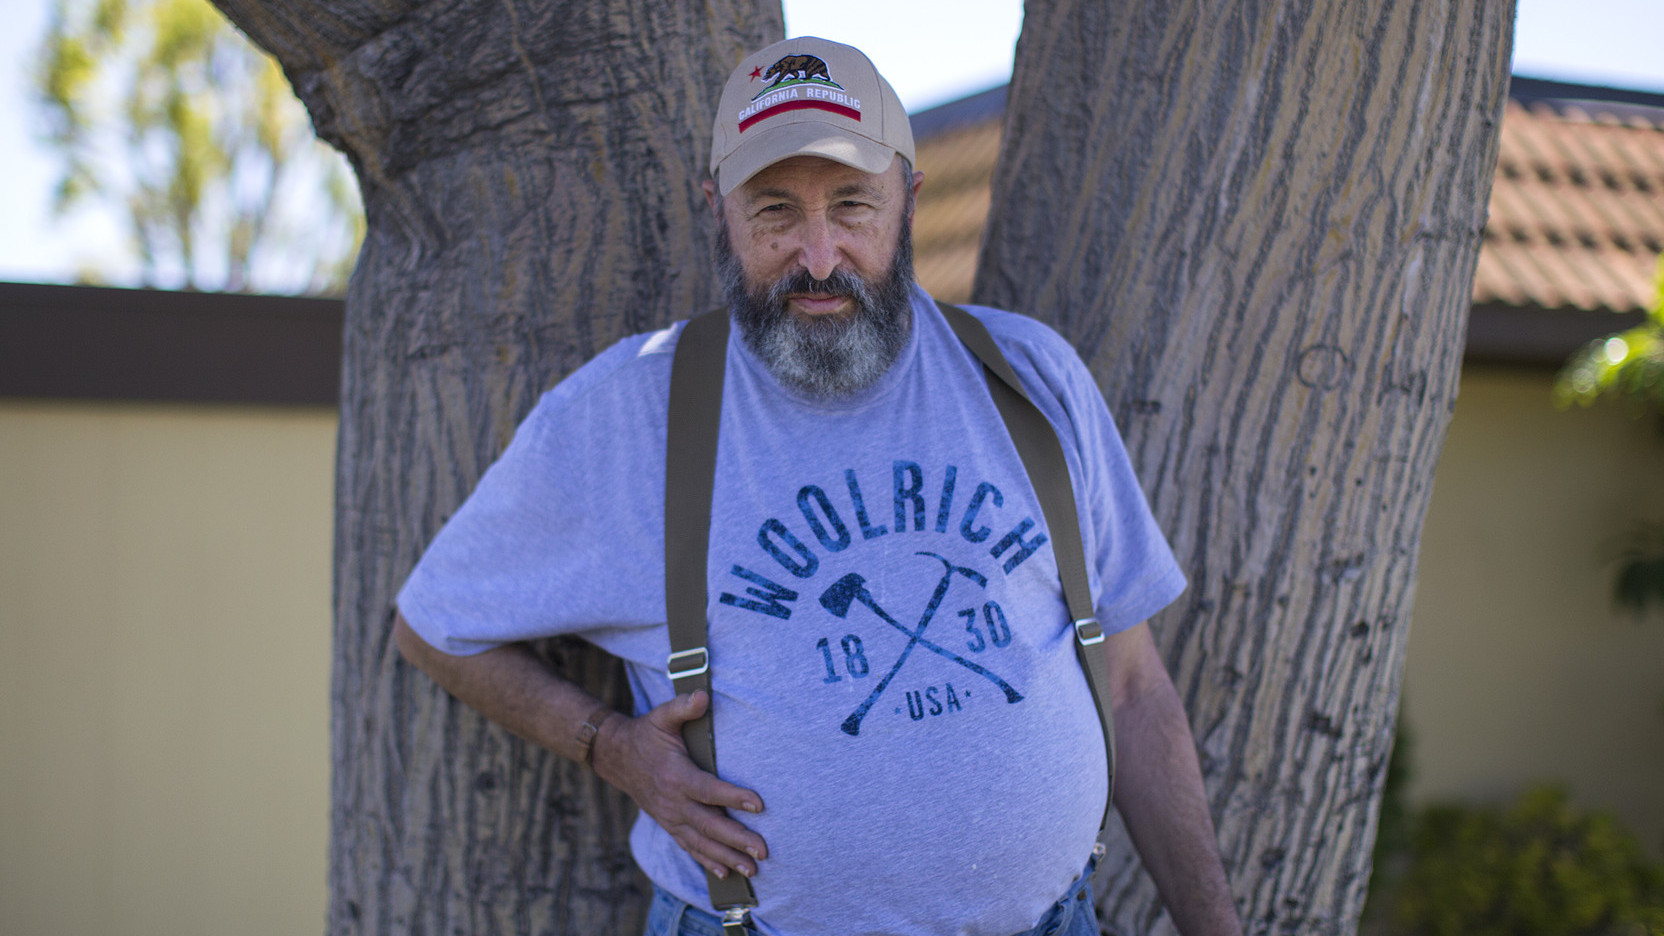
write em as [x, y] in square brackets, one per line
[810, 176]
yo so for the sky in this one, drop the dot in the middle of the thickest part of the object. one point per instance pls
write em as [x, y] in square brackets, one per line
[928, 57]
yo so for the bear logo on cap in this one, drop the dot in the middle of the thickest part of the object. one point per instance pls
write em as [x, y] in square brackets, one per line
[796, 68]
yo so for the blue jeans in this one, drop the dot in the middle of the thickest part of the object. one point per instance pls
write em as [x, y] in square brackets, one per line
[1072, 915]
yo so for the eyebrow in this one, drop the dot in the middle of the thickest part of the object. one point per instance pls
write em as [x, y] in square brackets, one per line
[857, 188]
[768, 194]
[843, 191]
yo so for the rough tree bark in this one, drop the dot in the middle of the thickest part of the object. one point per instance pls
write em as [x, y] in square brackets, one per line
[1258, 221]
[530, 171]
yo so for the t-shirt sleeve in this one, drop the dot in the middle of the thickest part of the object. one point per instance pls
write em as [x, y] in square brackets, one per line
[1132, 567]
[1137, 573]
[562, 533]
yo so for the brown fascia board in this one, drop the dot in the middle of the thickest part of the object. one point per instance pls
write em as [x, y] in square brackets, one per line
[1534, 337]
[94, 343]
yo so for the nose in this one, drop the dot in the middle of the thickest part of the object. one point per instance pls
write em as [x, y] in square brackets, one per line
[819, 252]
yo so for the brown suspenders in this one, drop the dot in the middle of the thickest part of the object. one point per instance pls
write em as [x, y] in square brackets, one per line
[690, 473]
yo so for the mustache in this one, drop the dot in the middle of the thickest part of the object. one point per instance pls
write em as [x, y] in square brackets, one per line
[840, 283]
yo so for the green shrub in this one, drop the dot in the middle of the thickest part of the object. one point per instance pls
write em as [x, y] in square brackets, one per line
[1538, 868]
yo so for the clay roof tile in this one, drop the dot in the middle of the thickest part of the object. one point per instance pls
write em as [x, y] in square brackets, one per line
[1576, 212]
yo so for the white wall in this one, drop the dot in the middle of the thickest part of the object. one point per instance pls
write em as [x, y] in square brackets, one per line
[1518, 668]
[164, 608]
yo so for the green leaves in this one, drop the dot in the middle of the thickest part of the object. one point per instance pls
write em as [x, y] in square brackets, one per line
[1539, 868]
[165, 113]
[1629, 364]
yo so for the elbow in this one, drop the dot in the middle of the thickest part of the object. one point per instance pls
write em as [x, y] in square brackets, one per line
[411, 646]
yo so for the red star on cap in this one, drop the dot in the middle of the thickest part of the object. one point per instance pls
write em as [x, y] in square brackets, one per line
[756, 73]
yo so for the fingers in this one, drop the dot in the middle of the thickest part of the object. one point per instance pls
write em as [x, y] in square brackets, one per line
[705, 787]
[717, 842]
[714, 791]
[726, 830]
[646, 759]
[704, 829]
[716, 857]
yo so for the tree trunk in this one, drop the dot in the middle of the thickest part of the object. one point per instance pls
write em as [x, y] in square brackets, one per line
[1258, 221]
[530, 173]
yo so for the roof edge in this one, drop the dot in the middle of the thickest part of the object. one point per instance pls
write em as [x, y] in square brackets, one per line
[90, 343]
[1499, 333]
[1619, 102]
[962, 112]
[98, 343]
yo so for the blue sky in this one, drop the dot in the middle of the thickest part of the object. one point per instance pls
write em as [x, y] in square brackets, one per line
[929, 58]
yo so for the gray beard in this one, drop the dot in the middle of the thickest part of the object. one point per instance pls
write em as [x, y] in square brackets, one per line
[834, 356]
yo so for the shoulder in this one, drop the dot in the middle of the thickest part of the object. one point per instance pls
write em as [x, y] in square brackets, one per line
[1033, 347]
[1056, 378]
[631, 359]
[620, 393]
[635, 369]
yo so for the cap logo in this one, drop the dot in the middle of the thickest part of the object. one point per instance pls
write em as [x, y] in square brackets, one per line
[799, 67]
[799, 82]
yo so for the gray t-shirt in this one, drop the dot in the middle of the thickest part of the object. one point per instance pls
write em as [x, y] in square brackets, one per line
[948, 785]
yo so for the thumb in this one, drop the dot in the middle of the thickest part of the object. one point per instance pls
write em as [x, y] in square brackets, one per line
[682, 709]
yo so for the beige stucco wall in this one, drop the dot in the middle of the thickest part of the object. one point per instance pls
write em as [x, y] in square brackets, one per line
[164, 608]
[164, 590]
[1518, 669]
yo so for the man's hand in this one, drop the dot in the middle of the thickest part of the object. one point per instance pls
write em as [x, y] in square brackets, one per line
[645, 757]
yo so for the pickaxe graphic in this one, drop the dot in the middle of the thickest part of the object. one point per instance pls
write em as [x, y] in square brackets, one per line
[852, 588]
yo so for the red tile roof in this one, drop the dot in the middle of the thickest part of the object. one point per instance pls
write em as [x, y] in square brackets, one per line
[1577, 210]
[1576, 213]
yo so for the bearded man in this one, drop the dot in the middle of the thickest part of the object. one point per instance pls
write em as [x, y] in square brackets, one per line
[875, 777]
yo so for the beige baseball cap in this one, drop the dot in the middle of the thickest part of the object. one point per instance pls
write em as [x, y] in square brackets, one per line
[806, 97]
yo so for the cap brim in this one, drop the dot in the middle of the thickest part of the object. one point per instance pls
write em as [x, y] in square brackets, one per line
[805, 138]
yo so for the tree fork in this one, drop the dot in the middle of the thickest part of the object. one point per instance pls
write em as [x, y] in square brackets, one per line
[530, 174]
[1259, 223]
[1302, 186]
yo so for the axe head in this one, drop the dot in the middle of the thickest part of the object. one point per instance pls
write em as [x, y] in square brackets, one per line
[841, 594]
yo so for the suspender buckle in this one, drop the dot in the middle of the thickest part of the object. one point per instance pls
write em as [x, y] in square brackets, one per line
[735, 920]
[1088, 632]
[681, 663]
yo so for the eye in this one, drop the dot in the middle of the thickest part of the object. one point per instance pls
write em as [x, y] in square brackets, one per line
[772, 214]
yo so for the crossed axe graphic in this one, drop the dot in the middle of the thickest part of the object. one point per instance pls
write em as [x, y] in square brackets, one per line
[852, 588]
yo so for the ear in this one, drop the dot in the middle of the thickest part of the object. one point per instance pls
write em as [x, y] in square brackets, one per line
[709, 185]
[918, 181]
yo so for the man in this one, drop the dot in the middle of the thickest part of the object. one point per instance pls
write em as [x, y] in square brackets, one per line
[906, 737]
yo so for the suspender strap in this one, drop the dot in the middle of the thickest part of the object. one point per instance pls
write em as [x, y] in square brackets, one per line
[1048, 474]
[690, 472]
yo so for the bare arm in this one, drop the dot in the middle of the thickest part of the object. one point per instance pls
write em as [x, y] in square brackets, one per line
[1158, 789]
[644, 757]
